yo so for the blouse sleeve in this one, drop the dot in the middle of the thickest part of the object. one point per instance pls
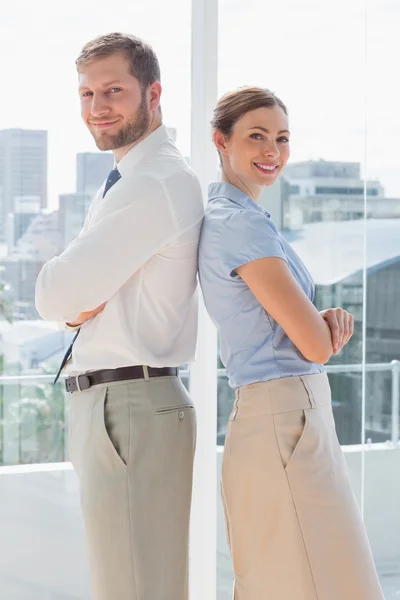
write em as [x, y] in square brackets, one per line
[248, 237]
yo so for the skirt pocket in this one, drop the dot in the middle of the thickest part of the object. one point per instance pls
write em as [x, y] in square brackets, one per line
[291, 429]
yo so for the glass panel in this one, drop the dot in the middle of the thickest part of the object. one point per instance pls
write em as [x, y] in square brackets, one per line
[382, 457]
[312, 55]
[49, 170]
[319, 202]
[33, 421]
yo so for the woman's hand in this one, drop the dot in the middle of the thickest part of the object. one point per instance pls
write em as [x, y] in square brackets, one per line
[341, 325]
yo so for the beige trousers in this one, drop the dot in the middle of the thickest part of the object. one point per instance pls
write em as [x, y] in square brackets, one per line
[132, 445]
[293, 525]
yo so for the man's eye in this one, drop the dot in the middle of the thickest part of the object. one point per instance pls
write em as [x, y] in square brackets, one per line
[86, 94]
[115, 89]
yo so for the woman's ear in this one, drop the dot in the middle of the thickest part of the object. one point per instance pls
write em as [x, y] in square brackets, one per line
[220, 142]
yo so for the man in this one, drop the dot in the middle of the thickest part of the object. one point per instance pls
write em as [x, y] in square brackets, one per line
[128, 282]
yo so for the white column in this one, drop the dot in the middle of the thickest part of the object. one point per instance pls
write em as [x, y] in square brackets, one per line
[203, 374]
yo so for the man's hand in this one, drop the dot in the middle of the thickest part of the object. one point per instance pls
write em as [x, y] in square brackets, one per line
[85, 316]
[341, 324]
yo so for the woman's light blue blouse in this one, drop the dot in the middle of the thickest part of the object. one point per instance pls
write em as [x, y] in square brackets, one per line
[236, 231]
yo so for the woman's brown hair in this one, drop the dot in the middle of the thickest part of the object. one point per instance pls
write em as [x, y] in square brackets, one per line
[233, 105]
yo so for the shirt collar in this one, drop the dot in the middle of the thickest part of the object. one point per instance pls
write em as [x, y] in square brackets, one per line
[223, 189]
[147, 146]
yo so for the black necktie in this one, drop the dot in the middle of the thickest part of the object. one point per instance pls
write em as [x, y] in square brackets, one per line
[112, 178]
[66, 358]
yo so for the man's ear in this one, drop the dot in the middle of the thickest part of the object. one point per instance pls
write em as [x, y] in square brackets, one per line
[155, 91]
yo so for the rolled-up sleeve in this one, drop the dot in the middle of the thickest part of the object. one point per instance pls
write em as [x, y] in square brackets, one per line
[247, 237]
[130, 225]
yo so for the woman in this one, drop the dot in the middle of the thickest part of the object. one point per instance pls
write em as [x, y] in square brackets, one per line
[293, 526]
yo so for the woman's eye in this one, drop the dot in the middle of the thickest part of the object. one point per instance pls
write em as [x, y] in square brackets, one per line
[256, 136]
[283, 139]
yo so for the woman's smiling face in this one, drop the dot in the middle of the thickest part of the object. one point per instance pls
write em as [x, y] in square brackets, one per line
[258, 148]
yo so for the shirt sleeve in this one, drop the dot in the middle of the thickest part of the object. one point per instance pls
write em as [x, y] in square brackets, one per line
[131, 225]
[65, 327]
[247, 237]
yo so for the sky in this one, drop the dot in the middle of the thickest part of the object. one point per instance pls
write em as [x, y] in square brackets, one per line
[333, 63]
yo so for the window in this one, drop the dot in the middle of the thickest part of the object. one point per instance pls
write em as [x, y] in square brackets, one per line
[328, 143]
[41, 134]
[49, 168]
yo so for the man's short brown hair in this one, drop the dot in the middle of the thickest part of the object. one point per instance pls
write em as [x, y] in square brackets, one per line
[140, 55]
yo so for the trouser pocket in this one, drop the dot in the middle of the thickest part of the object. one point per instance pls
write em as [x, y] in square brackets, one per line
[117, 423]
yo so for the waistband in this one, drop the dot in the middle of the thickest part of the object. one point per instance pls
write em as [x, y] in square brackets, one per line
[281, 395]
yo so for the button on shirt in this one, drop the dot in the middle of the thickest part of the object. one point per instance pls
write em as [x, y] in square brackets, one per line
[137, 251]
[236, 231]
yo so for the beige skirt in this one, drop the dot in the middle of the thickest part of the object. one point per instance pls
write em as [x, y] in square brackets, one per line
[293, 525]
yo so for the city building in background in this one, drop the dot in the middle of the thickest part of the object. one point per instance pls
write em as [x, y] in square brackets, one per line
[26, 208]
[333, 191]
[92, 169]
[30, 233]
[275, 198]
[41, 240]
[23, 171]
[22, 263]
[72, 210]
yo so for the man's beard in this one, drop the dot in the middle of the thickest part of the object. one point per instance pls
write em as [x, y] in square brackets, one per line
[129, 134]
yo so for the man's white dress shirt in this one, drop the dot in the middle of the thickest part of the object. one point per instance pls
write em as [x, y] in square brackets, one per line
[137, 251]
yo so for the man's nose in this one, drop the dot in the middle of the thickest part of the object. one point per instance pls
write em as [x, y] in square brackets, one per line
[99, 105]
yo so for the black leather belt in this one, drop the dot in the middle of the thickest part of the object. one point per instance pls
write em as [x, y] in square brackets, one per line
[87, 380]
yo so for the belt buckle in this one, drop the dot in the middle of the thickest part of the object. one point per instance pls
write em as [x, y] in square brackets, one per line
[82, 382]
